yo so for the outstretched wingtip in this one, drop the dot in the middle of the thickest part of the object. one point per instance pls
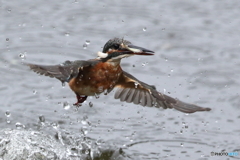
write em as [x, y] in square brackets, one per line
[30, 65]
[36, 68]
[25, 64]
[189, 108]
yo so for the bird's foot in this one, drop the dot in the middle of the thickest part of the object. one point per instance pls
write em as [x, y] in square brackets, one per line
[80, 100]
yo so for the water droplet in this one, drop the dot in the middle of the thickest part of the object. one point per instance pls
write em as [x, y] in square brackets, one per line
[41, 118]
[133, 65]
[90, 104]
[66, 105]
[86, 152]
[63, 84]
[84, 130]
[163, 29]
[84, 122]
[48, 97]
[8, 121]
[85, 117]
[55, 125]
[34, 91]
[99, 142]
[144, 29]
[143, 64]
[87, 42]
[100, 89]
[22, 56]
[67, 34]
[19, 125]
[96, 96]
[7, 113]
[85, 46]
[106, 91]
[181, 144]
[171, 70]
[164, 91]
[136, 84]
[7, 39]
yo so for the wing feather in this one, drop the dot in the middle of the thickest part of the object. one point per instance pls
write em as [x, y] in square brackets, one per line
[131, 95]
[64, 72]
[147, 95]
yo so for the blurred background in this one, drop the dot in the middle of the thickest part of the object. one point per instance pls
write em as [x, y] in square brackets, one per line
[197, 60]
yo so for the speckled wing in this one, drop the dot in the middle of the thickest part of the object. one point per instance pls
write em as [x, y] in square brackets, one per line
[134, 91]
[64, 72]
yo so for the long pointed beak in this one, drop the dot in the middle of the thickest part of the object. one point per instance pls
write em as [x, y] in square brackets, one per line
[138, 50]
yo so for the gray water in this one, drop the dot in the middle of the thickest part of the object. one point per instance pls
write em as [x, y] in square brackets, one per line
[196, 44]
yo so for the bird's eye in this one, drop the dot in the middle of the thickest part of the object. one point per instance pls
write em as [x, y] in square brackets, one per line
[115, 46]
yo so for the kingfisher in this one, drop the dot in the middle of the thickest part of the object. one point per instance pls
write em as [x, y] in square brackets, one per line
[104, 73]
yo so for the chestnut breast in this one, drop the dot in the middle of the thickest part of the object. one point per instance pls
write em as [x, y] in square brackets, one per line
[96, 79]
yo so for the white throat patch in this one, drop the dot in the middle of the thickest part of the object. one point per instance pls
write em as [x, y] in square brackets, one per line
[101, 54]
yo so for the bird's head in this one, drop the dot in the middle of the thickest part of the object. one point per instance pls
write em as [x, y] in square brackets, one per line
[116, 49]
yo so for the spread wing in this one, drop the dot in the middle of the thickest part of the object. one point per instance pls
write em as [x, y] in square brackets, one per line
[132, 90]
[64, 72]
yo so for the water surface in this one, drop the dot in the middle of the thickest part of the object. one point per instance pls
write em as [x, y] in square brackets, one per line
[196, 59]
